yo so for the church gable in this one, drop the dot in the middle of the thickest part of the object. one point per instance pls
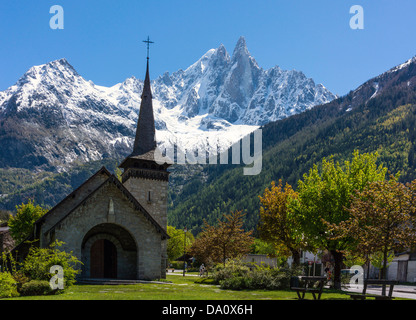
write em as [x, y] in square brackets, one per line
[104, 203]
[74, 199]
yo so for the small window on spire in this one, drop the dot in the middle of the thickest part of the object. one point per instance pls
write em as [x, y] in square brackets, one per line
[149, 198]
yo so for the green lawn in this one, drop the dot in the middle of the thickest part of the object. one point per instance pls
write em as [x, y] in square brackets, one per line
[180, 288]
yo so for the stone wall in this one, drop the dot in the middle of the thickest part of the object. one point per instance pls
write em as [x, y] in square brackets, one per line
[109, 205]
[156, 205]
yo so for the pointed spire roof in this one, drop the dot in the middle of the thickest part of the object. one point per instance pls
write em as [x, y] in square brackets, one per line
[145, 153]
[145, 133]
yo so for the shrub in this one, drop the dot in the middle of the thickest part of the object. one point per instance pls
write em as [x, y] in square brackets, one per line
[8, 286]
[236, 275]
[236, 283]
[232, 268]
[177, 265]
[265, 279]
[39, 261]
[36, 288]
[285, 274]
[21, 279]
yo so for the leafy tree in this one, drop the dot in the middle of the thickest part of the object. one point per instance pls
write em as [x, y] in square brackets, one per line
[227, 240]
[21, 225]
[262, 247]
[177, 243]
[382, 219]
[324, 196]
[351, 259]
[378, 261]
[278, 224]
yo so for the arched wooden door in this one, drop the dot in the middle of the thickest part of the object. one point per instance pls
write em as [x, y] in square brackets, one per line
[103, 259]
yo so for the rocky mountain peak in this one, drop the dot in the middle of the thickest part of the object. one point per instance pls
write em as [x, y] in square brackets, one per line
[241, 47]
[217, 96]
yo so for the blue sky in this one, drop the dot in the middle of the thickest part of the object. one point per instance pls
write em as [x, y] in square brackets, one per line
[102, 38]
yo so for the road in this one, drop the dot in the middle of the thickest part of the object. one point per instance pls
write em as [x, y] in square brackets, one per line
[400, 291]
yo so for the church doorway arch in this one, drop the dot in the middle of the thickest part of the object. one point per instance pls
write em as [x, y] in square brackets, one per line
[109, 250]
[103, 259]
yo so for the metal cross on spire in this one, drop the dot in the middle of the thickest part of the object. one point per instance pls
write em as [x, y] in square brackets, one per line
[148, 45]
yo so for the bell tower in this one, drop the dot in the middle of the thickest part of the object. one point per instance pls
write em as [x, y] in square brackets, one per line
[146, 178]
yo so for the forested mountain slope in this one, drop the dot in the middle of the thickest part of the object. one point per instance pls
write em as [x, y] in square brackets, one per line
[378, 116]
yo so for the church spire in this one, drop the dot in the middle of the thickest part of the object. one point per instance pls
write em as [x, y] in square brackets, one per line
[145, 140]
[145, 162]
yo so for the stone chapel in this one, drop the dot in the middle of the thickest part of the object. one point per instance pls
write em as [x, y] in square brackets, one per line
[117, 229]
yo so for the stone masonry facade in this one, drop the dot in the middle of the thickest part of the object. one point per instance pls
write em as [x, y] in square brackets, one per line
[152, 194]
[108, 214]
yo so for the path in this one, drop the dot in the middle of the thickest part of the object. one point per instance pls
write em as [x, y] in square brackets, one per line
[400, 291]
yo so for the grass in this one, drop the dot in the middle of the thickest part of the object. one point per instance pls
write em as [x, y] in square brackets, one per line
[177, 288]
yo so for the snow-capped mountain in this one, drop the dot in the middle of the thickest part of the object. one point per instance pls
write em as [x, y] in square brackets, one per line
[237, 90]
[52, 116]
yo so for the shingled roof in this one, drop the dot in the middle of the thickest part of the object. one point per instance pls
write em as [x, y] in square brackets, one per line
[145, 140]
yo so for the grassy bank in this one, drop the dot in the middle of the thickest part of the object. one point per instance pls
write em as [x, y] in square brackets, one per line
[176, 288]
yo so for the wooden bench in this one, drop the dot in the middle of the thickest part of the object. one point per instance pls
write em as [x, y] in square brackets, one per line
[383, 283]
[309, 286]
